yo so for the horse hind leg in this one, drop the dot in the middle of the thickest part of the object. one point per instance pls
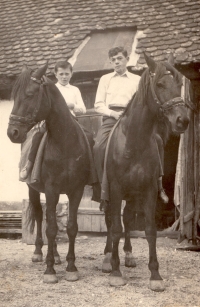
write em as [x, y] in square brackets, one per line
[127, 220]
[36, 214]
[72, 229]
[106, 265]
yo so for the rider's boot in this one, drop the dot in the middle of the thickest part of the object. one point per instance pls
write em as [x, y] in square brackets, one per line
[26, 170]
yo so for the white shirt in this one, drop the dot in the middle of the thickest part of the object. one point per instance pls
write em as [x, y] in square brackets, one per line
[115, 90]
[72, 95]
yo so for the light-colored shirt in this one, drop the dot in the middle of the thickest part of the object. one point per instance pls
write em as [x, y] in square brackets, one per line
[115, 90]
[72, 96]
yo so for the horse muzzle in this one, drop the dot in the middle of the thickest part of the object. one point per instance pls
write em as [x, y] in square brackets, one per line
[182, 123]
[16, 134]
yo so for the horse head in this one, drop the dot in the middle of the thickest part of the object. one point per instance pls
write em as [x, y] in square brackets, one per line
[31, 103]
[165, 86]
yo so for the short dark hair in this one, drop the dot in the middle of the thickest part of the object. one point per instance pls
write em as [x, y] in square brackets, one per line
[63, 64]
[116, 50]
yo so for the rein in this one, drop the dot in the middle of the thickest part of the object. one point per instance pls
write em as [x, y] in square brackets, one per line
[168, 104]
[30, 121]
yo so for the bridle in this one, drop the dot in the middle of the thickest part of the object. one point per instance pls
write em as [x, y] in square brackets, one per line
[163, 107]
[30, 121]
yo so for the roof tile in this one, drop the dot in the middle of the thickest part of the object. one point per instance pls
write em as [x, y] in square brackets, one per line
[34, 30]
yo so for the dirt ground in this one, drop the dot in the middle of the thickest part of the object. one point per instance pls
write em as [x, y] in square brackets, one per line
[21, 281]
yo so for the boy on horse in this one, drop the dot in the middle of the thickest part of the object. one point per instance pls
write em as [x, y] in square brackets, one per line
[114, 92]
[63, 72]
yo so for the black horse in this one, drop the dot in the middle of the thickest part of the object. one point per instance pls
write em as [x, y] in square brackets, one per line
[133, 164]
[66, 162]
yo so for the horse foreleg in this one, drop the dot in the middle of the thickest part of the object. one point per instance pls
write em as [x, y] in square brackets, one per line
[34, 198]
[51, 232]
[56, 254]
[115, 275]
[127, 219]
[72, 229]
[156, 282]
[106, 266]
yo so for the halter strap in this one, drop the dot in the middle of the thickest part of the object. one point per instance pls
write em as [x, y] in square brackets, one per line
[30, 121]
[167, 104]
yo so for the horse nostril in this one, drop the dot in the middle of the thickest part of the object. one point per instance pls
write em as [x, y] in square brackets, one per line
[182, 122]
[179, 120]
[15, 133]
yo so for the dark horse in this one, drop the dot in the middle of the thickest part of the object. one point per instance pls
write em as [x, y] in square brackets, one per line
[66, 164]
[133, 165]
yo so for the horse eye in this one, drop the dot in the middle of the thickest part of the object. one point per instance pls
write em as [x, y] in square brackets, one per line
[29, 93]
[160, 84]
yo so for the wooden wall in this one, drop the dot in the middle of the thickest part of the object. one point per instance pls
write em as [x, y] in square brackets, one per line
[187, 194]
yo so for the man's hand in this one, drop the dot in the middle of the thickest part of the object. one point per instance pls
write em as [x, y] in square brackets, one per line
[70, 105]
[78, 111]
[115, 114]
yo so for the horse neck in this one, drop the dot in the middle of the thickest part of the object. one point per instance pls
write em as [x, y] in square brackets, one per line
[60, 123]
[140, 126]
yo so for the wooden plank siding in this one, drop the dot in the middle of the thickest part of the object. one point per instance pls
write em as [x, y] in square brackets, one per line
[189, 167]
[10, 220]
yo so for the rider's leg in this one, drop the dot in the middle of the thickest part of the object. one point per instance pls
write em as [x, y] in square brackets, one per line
[99, 150]
[161, 192]
[31, 157]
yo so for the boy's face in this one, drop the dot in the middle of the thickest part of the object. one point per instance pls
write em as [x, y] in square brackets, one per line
[63, 75]
[119, 62]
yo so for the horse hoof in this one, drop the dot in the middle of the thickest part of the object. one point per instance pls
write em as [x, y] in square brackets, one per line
[72, 276]
[106, 265]
[157, 285]
[116, 281]
[57, 260]
[129, 260]
[50, 279]
[37, 258]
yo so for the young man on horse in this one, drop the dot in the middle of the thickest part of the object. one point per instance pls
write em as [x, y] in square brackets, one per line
[114, 92]
[63, 72]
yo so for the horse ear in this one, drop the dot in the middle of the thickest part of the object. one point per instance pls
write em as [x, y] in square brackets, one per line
[24, 68]
[40, 71]
[150, 62]
[171, 59]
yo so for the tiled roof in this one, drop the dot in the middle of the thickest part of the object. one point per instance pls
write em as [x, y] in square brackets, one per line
[33, 31]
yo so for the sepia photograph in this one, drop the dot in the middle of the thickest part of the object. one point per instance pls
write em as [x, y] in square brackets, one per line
[100, 153]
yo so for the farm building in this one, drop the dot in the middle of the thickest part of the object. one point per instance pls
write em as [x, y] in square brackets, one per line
[33, 32]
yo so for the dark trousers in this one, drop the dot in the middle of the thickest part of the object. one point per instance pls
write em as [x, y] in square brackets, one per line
[35, 145]
[100, 144]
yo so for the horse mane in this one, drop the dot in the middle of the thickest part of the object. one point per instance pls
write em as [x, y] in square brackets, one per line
[163, 125]
[139, 98]
[21, 84]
